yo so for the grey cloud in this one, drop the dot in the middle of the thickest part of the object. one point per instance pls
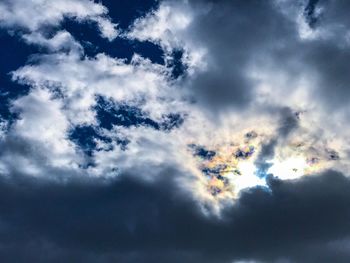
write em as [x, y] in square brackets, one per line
[334, 12]
[267, 153]
[326, 58]
[288, 122]
[126, 220]
[240, 33]
[20, 156]
[235, 33]
[330, 63]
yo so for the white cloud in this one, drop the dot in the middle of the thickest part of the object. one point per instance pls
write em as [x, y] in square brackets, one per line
[168, 26]
[37, 144]
[35, 14]
[162, 25]
[47, 115]
[62, 40]
[42, 120]
[80, 79]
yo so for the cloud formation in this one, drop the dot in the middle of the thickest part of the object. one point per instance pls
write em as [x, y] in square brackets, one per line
[35, 15]
[231, 146]
[128, 220]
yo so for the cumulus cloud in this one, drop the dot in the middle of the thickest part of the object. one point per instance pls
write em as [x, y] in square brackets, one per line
[37, 140]
[62, 40]
[242, 158]
[80, 79]
[223, 31]
[243, 66]
[34, 15]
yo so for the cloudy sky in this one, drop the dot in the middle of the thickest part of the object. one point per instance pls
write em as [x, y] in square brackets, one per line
[192, 131]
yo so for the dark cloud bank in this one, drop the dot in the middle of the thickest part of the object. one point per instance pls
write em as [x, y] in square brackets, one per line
[129, 221]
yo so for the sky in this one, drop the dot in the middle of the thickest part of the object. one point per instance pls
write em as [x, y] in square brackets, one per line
[192, 131]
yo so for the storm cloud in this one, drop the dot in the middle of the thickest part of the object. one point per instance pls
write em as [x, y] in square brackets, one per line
[94, 221]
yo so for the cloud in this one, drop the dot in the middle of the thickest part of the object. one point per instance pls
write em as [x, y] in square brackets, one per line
[118, 100]
[62, 40]
[15, 14]
[80, 79]
[290, 222]
[240, 68]
[223, 31]
[108, 158]
[37, 141]
[162, 25]
[239, 97]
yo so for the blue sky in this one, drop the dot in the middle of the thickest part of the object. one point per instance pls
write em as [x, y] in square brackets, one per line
[174, 131]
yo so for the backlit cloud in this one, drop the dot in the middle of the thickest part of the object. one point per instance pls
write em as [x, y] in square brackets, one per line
[219, 135]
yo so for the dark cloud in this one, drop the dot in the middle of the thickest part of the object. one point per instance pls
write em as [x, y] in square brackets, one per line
[267, 153]
[127, 220]
[330, 63]
[234, 32]
[288, 122]
[242, 33]
[333, 12]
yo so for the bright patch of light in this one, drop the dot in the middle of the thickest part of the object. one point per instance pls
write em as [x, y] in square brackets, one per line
[291, 168]
[247, 178]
